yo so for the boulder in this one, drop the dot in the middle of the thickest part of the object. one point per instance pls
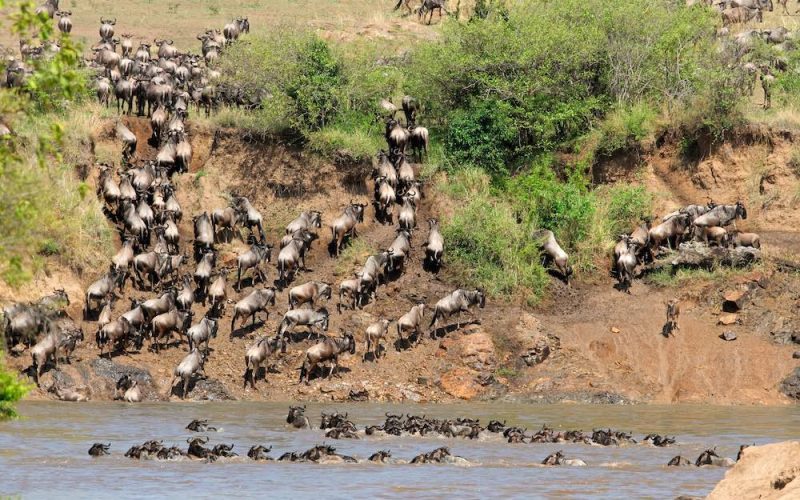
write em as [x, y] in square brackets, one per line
[460, 383]
[791, 385]
[698, 254]
[728, 319]
[728, 336]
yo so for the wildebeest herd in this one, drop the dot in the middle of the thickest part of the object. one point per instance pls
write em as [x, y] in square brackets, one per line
[140, 199]
[337, 425]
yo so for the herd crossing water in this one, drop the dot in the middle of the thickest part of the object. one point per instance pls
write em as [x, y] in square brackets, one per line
[53, 439]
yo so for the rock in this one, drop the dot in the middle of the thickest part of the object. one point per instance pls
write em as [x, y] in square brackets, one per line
[460, 383]
[796, 355]
[735, 300]
[411, 395]
[614, 329]
[784, 337]
[728, 319]
[210, 389]
[697, 254]
[536, 355]
[728, 336]
[476, 351]
[768, 472]
[105, 368]
[791, 385]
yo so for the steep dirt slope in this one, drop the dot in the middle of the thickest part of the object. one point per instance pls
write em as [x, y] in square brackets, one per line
[588, 361]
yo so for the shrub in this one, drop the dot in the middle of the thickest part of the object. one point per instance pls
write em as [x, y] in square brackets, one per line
[313, 86]
[12, 389]
[484, 134]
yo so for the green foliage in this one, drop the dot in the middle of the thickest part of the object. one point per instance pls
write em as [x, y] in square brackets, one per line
[486, 246]
[313, 86]
[12, 389]
[514, 86]
[311, 91]
[625, 127]
[43, 208]
[56, 79]
[483, 134]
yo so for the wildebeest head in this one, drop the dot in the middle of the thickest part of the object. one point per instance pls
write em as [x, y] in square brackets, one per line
[741, 210]
[295, 412]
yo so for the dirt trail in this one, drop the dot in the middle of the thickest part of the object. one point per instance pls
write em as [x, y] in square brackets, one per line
[588, 362]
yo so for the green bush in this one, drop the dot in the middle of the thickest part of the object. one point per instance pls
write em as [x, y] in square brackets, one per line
[624, 128]
[12, 389]
[483, 134]
[313, 87]
[517, 85]
[488, 248]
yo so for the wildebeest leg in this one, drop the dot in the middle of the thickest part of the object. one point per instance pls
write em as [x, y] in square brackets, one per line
[334, 366]
[185, 387]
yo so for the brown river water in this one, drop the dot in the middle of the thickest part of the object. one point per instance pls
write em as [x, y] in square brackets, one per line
[44, 454]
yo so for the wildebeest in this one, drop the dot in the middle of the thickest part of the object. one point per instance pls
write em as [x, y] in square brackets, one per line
[434, 246]
[721, 216]
[737, 15]
[224, 221]
[100, 289]
[154, 265]
[203, 234]
[189, 367]
[411, 321]
[250, 217]
[24, 323]
[551, 250]
[297, 419]
[372, 338]
[45, 350]
[673, 313]
[373, 274]
[306, 220]
[430, 6]
[304, 317]
[99, 449]
[626, 265]
[744, 239]
[250, 306]
[348, 288]
[255, 357]
[345, 225]
[292, 256]
[672, 231]
[166, 323]
[200, 335]
[327, 350]
[202, 274]
[308, 293]
[49, 8]
[253, 258]
[64, 21]
[457, 302]
[217, 291]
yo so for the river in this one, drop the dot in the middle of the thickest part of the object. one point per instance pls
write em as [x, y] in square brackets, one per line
[45, 453]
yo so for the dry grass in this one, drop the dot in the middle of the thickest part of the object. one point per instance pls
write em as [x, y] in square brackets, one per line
[182, 20]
